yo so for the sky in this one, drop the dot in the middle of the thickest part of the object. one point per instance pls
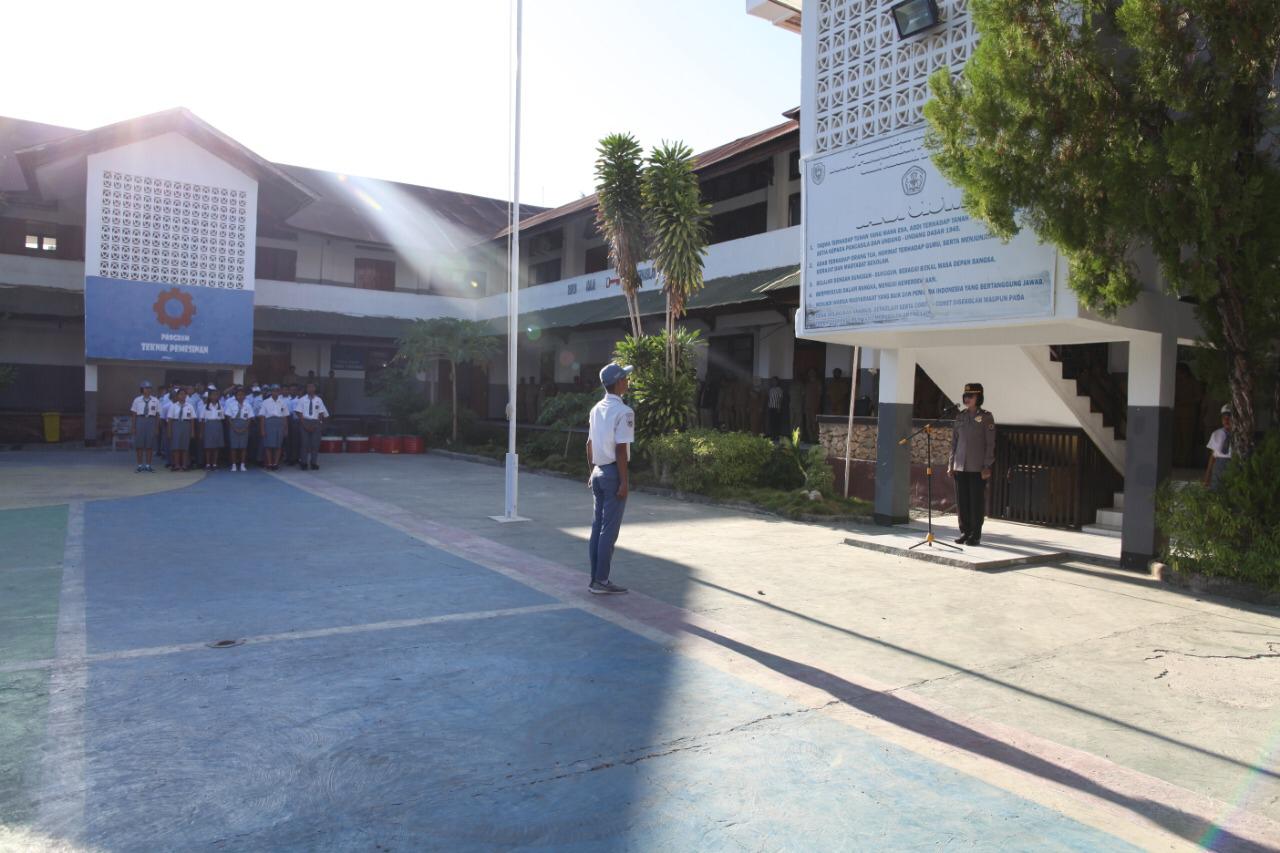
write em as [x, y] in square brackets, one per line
[417, 90]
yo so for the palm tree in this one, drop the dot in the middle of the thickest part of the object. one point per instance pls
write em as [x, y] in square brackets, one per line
[452, 340]
[677, 223]
[620, 213]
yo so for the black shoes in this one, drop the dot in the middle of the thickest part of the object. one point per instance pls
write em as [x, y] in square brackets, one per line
[605, 588]
[963, 540]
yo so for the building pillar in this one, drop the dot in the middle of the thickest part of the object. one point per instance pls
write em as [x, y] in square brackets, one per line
[1148, 445]
[90, 405]
[893, 423]
[237, 375]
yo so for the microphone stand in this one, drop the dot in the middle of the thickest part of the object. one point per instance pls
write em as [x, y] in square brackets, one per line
[929, 538]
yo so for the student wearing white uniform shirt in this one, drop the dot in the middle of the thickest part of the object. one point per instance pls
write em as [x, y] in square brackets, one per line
[612, 430]
[273, 418]
[240, 415]
[182, 415]
[145, 413]
[1219, 451]
[311, 415]
[211, 431]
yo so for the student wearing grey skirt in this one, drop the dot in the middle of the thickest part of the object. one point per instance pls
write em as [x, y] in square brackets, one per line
[181, 416]
[239, 413]
[273, 416]
[211, 431]
[145, 413]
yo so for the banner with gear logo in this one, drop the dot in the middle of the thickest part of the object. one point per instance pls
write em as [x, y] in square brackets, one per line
[169, 255]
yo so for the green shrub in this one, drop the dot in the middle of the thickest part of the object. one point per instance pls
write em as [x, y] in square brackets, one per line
[818, 475]
[435, 422]
[704, 460]
[402, 397]
[1231, 532]
[664, 402]
[566, 412]
[781, 471]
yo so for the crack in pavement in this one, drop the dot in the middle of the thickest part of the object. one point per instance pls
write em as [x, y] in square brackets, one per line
[1273, 651]
[666, 748]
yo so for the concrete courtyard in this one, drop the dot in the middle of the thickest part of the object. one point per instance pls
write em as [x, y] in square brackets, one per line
[359, 659]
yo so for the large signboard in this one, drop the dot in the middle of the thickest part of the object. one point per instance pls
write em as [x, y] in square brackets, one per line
[888, 243]
[169, 255]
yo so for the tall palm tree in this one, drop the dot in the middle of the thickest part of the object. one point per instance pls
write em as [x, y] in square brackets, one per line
[620, 213]
[677, 221]
[451, 340]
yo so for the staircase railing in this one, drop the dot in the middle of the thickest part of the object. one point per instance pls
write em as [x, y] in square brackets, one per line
[1086, 364]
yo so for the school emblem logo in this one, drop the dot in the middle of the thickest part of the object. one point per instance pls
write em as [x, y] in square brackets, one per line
[174, 308]
[818, 173]
[913, 181]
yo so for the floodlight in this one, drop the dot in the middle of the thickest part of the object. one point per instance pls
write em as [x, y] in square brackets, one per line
[914, 16]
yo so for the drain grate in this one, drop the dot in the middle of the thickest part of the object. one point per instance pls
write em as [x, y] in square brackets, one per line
[224, 644]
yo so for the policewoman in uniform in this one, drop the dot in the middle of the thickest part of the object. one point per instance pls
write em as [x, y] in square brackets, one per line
[612, 430]
[311, 415]
[273, 417]
[146, 426]
[240, 416]
[973, 452]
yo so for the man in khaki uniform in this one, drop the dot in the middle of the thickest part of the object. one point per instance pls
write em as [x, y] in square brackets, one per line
[973, 452]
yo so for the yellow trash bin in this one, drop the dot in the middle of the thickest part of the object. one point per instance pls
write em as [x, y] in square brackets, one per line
[52, 426]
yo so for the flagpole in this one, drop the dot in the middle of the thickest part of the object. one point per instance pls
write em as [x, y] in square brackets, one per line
[512, 466]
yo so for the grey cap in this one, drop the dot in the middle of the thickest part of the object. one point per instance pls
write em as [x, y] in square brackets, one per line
[1226, 410]
[145, 384]
[611, 373]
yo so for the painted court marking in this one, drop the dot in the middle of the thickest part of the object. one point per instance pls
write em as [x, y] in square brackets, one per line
[62, 770]
[73, 663]
[1080, 785]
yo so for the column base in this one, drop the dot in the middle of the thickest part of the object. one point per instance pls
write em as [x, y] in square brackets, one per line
[889, 520]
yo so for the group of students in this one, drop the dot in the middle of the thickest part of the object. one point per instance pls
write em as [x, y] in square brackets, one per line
[267, 423]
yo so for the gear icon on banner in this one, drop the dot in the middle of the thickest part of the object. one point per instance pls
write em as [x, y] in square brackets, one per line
[179, 320]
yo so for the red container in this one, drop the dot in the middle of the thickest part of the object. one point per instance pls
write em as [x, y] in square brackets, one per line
[375, 444]
[330, 444]
[392, 444]
[357, 444]
[413, 444]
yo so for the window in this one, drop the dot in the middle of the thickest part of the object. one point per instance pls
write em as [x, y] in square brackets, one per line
[33, 241]
[29, 237]
[276, 264]
[743, 222]
[546, 242]
[373, 274]
[49, 244]
[597, 259]
[545, 272]
[793, 166]
[748, 179]
[793, 210]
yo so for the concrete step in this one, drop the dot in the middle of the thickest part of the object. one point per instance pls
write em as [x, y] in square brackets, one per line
[1101, 530]
[1118, 501]
[1110, 518]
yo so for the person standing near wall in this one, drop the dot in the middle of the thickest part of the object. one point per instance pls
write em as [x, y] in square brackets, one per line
[838, 393]
[145, 413]
[973, 452]
[1219, 451]
[611, 432]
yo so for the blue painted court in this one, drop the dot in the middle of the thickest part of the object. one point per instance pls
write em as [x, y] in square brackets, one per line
[501, 718]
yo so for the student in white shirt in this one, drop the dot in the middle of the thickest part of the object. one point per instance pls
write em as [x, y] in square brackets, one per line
[145, 418]
[273, 418]
[181, 417]
[293, 439]
[211, 431]
[1219, 451]
[240, 415]
[311, 415]
[612, 431]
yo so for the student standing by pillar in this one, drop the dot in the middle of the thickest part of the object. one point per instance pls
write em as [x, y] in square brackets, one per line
[973, 452]
[1219, 451]
[311, 415]
[612, 427]
[146, 426]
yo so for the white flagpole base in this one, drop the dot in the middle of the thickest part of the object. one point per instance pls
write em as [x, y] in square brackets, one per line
[512, 472]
